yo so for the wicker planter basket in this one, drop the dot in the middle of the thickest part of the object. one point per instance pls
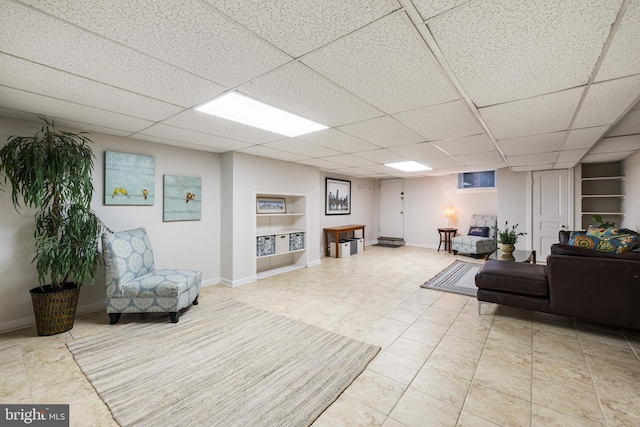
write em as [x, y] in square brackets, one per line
[55, 311]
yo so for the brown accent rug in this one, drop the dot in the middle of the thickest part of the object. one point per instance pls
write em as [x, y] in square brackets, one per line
[223, 364]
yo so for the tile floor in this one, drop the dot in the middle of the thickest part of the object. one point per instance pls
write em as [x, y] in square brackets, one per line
[440, 365]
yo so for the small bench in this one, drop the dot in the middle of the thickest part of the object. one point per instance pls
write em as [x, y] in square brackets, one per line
[515, 284]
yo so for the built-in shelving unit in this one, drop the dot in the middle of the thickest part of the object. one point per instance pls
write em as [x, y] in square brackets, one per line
[281, 237]
[602, 192]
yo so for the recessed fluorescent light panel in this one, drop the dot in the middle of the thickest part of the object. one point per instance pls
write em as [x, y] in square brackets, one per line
[243, 109]
[409, 166]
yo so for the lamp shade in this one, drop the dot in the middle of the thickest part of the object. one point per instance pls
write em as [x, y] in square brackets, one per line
[448, 212]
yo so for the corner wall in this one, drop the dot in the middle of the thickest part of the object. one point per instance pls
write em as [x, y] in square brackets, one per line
[188, 244]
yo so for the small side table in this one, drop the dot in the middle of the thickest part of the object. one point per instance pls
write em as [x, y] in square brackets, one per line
[445, 237]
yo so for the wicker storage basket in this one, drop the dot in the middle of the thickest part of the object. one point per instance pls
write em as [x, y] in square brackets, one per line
[55, 311]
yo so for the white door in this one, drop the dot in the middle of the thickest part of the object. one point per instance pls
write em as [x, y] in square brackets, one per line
[391, 208]
[550, 208]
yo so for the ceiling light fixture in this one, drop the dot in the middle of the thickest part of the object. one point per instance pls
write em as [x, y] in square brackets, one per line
[240, 108]
[409, 166]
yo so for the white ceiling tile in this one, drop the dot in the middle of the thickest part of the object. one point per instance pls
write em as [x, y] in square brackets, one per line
[533, 144]
[571, 156]
[298, 27]
[532, 159]
[381, 169]
[351, 172]
[422, 150]
[29, 34]
[502, 50]
[526, 168]
[628, 125]
[297, 146]
[176, 143]
[55, 108]
[621, 59]
[466, 145]
[349, 160]
[480, 158]
[31, 77]
[617, 144]
[337, 140]
[387, 65]
[381, 156]
[189, 35]
[584, 138]
[299, 90]
[606, 101]
[429, 8]
[532, 116]
[441, 162]
[321, 163]
[206, 123]
[262, 151]
[383, 131]
[189, 136]
[606, 157]
[442, 121]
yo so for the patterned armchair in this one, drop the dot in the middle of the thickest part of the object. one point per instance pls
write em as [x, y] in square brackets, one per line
[477, 245]
[135, 286]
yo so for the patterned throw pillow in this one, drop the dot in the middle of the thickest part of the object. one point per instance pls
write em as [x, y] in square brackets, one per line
[609, 244]
[479, 231]
[602, 232]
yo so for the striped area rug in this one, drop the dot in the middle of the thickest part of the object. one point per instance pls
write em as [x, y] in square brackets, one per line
[459, 278]
[224, 364]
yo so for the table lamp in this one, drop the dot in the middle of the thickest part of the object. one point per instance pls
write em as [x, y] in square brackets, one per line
[448, 213]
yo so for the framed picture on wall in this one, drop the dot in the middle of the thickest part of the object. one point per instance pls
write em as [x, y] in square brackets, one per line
[129, 179]
[270, 205]
[337, 197]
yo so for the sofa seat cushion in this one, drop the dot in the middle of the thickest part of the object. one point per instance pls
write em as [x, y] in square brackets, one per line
[161, 283]
[513, 277]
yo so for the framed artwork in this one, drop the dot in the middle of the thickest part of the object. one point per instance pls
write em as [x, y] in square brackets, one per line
[182, 200]
[129, 179]
[337, 197]
[270, 205]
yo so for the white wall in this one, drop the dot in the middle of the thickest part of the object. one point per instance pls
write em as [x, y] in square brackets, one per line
[514, 203]
[631, 202]
[364, 207]
[425, 200]
[188, 244]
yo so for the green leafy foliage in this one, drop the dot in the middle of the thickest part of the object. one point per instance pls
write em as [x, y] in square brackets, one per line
[508, 235]
[51, 171]
[603, 224]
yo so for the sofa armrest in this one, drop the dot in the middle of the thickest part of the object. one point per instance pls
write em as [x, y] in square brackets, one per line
[599, 289]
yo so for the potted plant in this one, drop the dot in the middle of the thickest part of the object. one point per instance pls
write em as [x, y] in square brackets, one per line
[508, 237]
[51, 171]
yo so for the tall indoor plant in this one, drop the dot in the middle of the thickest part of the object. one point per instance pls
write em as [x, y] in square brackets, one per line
[51, 171]
[508, 237]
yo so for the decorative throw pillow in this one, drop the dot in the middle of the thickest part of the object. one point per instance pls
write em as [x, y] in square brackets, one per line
[618, 244]
[601, 231]
[479, 231]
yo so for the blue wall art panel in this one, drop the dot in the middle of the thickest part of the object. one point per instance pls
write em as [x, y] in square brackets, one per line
[182, 198]
[129, 179]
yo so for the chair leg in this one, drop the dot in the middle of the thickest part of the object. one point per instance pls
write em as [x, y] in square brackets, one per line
[174, 317]
[195, 301]
[114, 317]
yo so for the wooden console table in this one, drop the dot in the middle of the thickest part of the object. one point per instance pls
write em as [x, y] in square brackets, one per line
[337, 230]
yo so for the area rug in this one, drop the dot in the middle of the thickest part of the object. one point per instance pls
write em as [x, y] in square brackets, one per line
[387, 245]
[226, 364]
[459, 278]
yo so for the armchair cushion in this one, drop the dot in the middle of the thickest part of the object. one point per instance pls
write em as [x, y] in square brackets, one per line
[473, 244]
[479, 231]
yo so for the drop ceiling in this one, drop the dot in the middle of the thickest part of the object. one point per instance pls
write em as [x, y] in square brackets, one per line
[455, 85]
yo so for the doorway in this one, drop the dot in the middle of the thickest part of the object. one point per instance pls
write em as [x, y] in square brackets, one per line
[550, 208]
[391, 209]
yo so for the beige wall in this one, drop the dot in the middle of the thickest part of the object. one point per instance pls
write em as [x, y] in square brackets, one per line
[631, 202]
[188, 244]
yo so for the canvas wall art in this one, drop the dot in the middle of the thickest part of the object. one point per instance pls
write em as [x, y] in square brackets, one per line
[182, 198]
[129, 179]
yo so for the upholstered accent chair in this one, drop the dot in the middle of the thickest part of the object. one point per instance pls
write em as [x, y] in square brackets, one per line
[477, 245]
[135, 286]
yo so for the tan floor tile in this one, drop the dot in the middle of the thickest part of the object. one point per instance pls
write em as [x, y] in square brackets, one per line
[390, 422]
[469, 420]
[497, 407]
[396, 367]
[417, 409]
[403, 316]
[347, 411]
[413, 350]
[391, 326]
[508, 378]
[545, 417]
[620, 352]
[441, 385]
[423, 335]
[441, 314]
[576, 399]
[462, 346]
[376, 391]
[461, 366]
[562, 369]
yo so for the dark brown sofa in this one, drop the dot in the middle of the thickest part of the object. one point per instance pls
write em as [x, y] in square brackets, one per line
[579, 283]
